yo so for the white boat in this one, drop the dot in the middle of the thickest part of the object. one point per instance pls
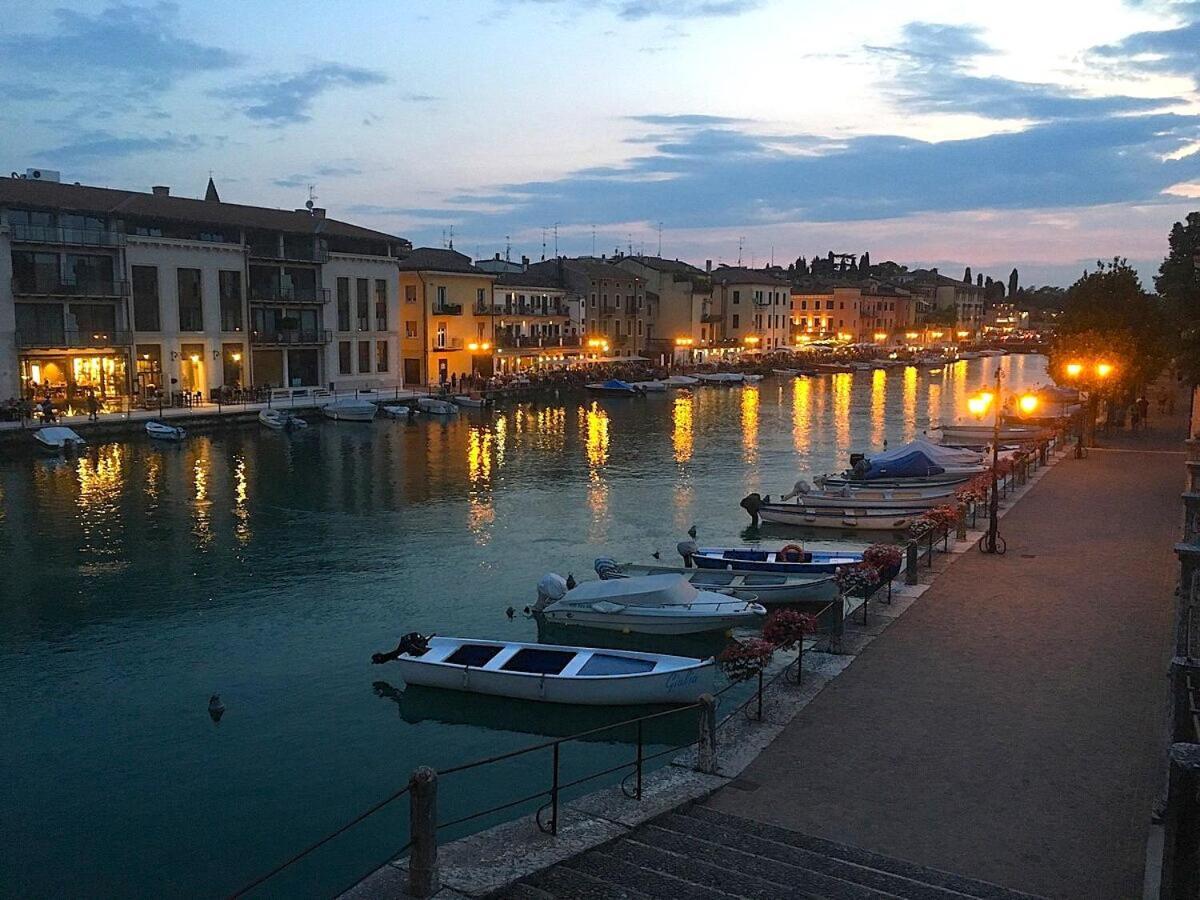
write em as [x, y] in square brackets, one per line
[650, 387]
[721, 378]
[280, 420]
[849, 496]
[57, 438]
[436, 407]
[680, 381]
[614, 387]
[557, 674]
[844, 519]
[766, 588]
[471, 402]
[350, 409]
[788, 373]
[161, 431]
[654, 604]
[397, 412]
[751, 378]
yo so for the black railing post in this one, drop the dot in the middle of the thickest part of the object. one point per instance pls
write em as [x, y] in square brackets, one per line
[960, 533]
[706, 747]
[1180, 875]
[639, 759]
[930, 548]
[554, 796]
[423, 880]
[760, 692]
[910, 563]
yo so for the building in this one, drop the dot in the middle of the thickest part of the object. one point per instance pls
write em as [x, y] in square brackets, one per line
[750, 308]
[939, 293]
[825, 313]
[498, 266]
[446, 317]
[614, 314]
[535, 318]
[680, 297]
[138, 296]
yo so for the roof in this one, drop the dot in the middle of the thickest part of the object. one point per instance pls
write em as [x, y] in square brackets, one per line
[117, 203]
[742, 275]
[435, 259]
[673, 266]
[599, 268]
[539, 276]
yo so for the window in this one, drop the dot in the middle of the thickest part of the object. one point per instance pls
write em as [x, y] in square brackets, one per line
[381, 356]
[343, 357]
[481, 298]
[343, 304]
[735, 320]
[737, 296]
[640, 298]
[364, 355]
[804, 304]
[191, 305]
[231, 300]
[145, 298]
[381, 315]
[35, 271]
[92, 273]
[410, 328]
[639, 326]
[441, 295]
[829, 304]
[617, 301]
[410, 293]
[479, 326]
[593, 301]
[363, 305]
[439, 341]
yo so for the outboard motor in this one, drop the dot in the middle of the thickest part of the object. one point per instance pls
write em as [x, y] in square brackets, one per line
[856, 458]
[606, 568]
[751, 503]
[551, 587]
[414, 644]
[800, 488]
[688, 550]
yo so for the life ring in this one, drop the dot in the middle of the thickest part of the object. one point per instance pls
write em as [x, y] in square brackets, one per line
[791, 553]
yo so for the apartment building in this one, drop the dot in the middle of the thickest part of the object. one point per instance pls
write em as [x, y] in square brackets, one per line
[536, 317]
[614, 309]
[825, 313]
[750, 308]
[680, 297]
[444, 313]
[134, 296]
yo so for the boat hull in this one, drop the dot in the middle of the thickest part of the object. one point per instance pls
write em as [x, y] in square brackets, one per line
[782, 590]
[364, 411]
[896, 498]
[841, 520]
[976, 435]
[663, 622]
[821, 564]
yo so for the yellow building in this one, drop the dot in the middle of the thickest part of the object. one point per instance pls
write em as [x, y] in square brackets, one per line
[445, 317]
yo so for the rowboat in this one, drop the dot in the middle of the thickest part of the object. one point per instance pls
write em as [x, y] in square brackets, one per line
[655, 604]
[678, 381]
[398, 412]
[471, 402]
[757, 559]
[832, 368]
[946, 479]
[280, 420]
[614, 387]
[722, 378]
[161, 431]
[650, 387]
[751, 378]
[350, 409]
[819, 517]
[436, 407]
[57, 438]
[900, 497]
[787, 373]
[769, 589]
[554, 673]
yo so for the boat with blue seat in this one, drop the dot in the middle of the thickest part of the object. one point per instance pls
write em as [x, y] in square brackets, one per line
[791, 558]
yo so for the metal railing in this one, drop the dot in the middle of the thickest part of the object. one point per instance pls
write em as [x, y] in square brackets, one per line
[548, 341]
[47, 286]
[59, 234]
[289, 337]
[452, 343]
[60, 339]
[447, 309]
[281, 294]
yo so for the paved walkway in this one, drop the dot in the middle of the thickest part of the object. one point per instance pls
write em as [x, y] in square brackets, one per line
[1010, 726]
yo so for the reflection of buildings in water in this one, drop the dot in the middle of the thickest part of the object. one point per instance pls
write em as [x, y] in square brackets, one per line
[842, 385]
[100, 478]
[596, 443]
[750, 422]
[935, 403]
[241, 511]
[596, 423]
[684, 496]
[682, 439]
[802, 416]
[481, 515]
[878, 408]
[501, 432]
[201, 503]
[910, 402]
[479, 455]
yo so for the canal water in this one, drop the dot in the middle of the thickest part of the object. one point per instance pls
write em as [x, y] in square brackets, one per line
[141, 578]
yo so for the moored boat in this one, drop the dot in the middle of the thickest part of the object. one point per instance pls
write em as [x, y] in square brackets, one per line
[397, 412]
[57, 438]
[680, 381]
[790, 558]
[437, 407]
[853, 519]
[552, 673]
[471, 401]
[614, 387]
[161, 431]
[280, 420]
[766, 588]
[350, 409]
[722, 378]
[654, 604]
[978, 435]
[650, 387]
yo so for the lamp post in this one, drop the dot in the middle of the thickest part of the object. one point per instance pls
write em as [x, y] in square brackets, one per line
[978, 405]
[1075, 372]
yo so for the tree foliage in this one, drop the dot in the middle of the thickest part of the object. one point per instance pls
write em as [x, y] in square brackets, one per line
[967, 276]
[864, 264]
[1178, 283]
[1013, 283]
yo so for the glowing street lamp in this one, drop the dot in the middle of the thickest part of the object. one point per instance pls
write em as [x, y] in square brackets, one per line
[1103, 370]
[1028, 403]
[1074, 370]
[881, 336]
[979, 404]
[751, 340]
[964, 334]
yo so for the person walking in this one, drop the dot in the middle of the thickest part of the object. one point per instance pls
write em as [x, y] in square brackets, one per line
[93, 407]
[1143, 408]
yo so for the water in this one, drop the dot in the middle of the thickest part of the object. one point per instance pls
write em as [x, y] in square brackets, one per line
[141, 578]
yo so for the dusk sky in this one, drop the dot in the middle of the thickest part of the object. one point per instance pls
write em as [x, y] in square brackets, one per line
[1037, 134]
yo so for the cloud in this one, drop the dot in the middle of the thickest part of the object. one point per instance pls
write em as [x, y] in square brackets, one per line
[279, 100]
[319, 172]
[1172, 51]
[933, 75]
[637, 10]
[419, 98]
[96, 145]
[144, 45]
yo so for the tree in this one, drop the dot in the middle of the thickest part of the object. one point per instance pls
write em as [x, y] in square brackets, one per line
[967, 276]
[979, 280]
[1178, 283]
[1012, 283]
[864, 264]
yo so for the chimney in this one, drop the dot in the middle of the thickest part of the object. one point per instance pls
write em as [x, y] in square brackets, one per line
[161, 190]
[497, 256]
[524, 263]
[318, 212]
[708, 265]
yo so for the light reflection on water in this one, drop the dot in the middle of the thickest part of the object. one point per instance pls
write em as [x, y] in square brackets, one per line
[267, 568]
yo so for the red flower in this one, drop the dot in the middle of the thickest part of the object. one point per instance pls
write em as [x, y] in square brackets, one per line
[785, 628]
[743, 660]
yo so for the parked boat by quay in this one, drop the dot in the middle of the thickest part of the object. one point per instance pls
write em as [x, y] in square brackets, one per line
[437, 407]
[551, 673]
[280, 420]
[58, 438]
[846, 519]
[867, 495]
[650, 387]
[471, 401]
[680, 381]
[350, 409]
[791, 558]
[766, 588]
[655, 604]
[614, 387]
[722, 378]
[978, 435]
[398, 412]
[161, 431]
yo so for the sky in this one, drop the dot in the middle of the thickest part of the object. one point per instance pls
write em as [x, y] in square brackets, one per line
[1037, 135]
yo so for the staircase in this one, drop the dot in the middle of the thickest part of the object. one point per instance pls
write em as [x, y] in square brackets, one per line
[695, 852]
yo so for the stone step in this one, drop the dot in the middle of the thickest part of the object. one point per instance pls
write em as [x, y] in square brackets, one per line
[612, 864]
[737, 857]
[522, 891]
[569, 883]
[863, 862]
[694, 865]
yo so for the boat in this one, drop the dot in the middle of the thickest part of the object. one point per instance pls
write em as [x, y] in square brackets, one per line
[722, 378]
[978, 435]
[832, 368]
[280, 420]
[751, 378]
[436, 407]
[946, 479]
[398, 412]
[848, 519]
[614, 387]
[898, 497]
[654, 604]
[58, 438]
[790, 558]
[471, 401]
[766, 588]
[786, 373]
[161, 431]
[552, 673]
[680, 381]
[350, 409]
[650, 387]
[862, 366]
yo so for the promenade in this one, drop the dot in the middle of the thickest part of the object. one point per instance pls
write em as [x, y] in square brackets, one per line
[1010, 726]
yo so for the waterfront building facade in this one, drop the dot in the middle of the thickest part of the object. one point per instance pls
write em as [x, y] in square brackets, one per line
[751, 308]
[535, 318]
[614, 314]
[136, 297]
[680, 297]
[444, 316]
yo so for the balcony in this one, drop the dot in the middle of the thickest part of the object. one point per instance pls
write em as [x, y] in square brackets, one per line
[447, 309]
[290, 337]
[288, 253]
[281, 294]
[41, 286]
[58, 339]
[75, 237]
[524, 311]
[453, 343]
[537, 341]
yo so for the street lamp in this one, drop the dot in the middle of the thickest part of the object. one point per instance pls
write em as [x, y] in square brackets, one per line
[978, 405]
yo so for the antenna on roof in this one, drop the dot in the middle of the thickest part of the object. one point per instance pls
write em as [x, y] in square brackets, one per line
[629, 241]
[660, 239]
[508, 248]
[741, 243]
[543, 243]
[451, 237]
[555, 240]
[593, 240]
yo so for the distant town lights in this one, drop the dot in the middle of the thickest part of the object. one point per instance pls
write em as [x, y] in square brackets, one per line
[751, 339]
[963, 334]
[881, 336]
[684, 342]
[912, 335]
